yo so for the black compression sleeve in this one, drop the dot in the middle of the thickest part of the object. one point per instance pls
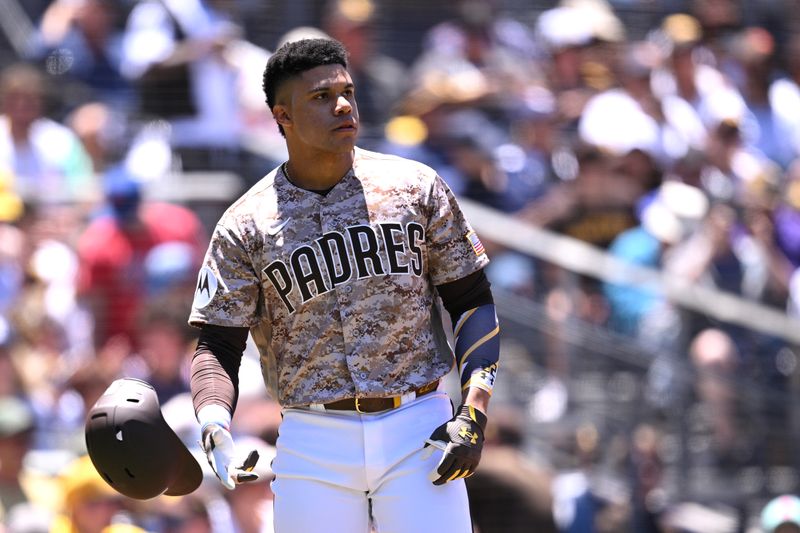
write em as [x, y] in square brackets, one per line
[466, 293]
[215, 366]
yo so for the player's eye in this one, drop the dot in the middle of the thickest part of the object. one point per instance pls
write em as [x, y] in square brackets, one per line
[320, 96]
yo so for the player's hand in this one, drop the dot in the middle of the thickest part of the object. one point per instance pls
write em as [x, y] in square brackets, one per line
[461, 440]
[220, 451]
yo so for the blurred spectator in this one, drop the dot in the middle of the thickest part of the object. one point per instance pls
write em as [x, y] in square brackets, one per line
[89, 503]
[793, 302]
[76, 394]
[510, 480]
[187, 514]
[720, 255]
[29, 518]
[170, 271]
[715, 358]
[469, 147]
[731, 162]
[380, 79]
[103, 130]
[718, 19]
[12, 243]
[478, 52]
[648, 472]
[40, 350]
[525, 170]
[52, 330]
[717, 253]
[113, 248]
[689, 71]
[751, 67]
[176, 54]
[11, 383]
[578, 38]
[535, 141]
[567, 299]
[585, 497]
[769, 223]
[17, 425]
[11, 205]
[420, 131]
[594, 207]
[79, 41]
[784, 95]
[664, 221]
[47, 160]
[632, 117]
[786, 223]
[163, 337]
[781, 515]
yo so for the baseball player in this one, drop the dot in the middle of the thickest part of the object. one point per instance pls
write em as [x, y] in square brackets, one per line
[333, 263]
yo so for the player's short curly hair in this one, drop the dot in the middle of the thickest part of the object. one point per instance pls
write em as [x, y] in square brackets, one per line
[296, 57]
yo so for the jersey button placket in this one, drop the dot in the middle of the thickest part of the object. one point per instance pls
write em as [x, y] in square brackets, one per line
[330, 212]
[343, 294]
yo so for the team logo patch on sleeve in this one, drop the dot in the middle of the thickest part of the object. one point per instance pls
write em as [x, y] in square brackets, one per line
[206, 288]
[475, 242]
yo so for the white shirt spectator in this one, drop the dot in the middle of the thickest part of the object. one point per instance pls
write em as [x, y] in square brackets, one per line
[150, 37]
[52, 166]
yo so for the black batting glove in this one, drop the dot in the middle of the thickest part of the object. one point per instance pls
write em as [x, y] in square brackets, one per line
[461, 440]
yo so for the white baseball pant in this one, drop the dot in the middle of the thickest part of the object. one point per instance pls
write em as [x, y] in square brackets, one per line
[332, 469]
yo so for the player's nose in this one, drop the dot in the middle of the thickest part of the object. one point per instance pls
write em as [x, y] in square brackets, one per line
[343, 106]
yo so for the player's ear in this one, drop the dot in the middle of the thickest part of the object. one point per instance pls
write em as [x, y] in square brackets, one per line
[281, 115]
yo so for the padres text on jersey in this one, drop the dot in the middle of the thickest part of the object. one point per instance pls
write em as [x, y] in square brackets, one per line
[357, 252]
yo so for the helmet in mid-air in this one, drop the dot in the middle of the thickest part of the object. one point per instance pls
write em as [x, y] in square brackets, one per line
[132, 446]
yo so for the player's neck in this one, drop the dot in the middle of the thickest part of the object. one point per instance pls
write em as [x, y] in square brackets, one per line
[318, 173]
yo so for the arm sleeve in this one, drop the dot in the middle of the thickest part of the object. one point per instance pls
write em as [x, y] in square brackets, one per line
[215, 366]
[466, 293]
[476, 329]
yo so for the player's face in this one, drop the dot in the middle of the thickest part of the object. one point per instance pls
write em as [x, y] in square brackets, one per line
[321, 111]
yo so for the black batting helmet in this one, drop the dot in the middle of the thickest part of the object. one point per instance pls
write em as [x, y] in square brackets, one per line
[132, 446]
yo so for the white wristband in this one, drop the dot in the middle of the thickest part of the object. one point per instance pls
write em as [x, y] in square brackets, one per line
[215, 414]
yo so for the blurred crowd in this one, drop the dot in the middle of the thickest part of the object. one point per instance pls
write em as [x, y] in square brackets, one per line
[672, 144]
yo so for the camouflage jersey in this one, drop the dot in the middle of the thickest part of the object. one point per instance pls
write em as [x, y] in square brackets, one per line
[338, 290]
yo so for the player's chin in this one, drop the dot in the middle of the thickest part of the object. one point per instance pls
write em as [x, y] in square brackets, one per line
[344, 142]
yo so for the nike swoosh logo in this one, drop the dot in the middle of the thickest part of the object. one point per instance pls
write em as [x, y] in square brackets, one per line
[276, 229]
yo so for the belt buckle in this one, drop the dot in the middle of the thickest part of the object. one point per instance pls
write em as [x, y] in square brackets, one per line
[358, 407]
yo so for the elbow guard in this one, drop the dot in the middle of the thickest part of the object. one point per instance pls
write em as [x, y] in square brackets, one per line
[477, 339]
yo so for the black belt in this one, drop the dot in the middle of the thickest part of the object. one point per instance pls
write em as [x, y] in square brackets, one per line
[375, 405]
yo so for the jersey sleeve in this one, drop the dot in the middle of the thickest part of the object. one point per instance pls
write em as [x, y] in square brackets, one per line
[228, 289]
[454, 249]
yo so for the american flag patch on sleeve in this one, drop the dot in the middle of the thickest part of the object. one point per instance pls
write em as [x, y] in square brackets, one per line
[475, 242]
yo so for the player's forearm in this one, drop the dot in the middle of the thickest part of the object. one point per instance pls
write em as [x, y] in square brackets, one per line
[477, 398]
[215, 367]
[477, 335]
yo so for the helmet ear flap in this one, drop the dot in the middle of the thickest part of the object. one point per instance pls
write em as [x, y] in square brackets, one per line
[133, 448]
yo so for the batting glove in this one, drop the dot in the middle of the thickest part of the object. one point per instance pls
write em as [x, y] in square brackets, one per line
[220, 450]
[461, 440]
